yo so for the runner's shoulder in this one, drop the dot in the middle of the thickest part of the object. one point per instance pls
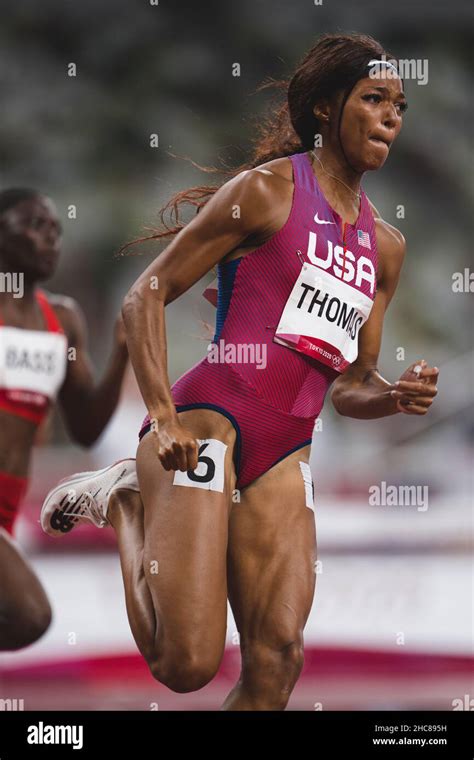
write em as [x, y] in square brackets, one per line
[68, 312]
[391, 247]
[390, 240]
[256, 193]
[263, 180]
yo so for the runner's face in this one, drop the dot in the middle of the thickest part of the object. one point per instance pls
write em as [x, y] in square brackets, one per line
[372, 119]
[30, 238]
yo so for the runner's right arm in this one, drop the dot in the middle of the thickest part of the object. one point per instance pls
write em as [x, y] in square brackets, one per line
[243, 207]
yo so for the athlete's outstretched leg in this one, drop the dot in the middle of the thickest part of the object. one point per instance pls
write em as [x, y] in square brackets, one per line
[25, 612]
[186, 531]
[109, 497]
[126, 513]
[271, 581]
[172, 539]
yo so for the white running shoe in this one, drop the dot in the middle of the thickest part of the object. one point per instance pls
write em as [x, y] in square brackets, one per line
[85, 496]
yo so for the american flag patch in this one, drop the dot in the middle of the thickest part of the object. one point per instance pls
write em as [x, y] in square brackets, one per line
[363, 239]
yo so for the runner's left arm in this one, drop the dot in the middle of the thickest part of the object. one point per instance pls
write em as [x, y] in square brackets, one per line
[86, 405]
[361, 391]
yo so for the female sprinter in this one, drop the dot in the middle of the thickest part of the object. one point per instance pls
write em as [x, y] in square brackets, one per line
[36, 331]
[306, 271]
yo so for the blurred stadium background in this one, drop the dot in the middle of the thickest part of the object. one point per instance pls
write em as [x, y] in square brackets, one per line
[391, 625]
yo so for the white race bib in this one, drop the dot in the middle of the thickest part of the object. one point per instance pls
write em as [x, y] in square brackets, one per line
[32, 363]
[209, 473]
[322, 318]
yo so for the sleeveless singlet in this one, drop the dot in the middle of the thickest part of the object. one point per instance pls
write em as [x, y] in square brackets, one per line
[302, 297]
[32, 365]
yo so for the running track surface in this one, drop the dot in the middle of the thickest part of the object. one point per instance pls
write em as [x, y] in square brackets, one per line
[332, 679]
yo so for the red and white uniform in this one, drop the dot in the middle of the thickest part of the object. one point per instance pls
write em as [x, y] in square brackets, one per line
[32, 370]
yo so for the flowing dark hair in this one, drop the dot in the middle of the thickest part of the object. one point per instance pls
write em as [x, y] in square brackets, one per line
[333, 65]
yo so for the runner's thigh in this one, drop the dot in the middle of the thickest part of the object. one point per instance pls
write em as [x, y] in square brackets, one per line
[186, 533]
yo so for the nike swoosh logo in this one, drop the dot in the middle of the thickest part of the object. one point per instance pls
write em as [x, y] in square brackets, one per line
[321, 221]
